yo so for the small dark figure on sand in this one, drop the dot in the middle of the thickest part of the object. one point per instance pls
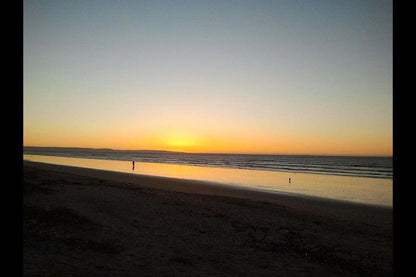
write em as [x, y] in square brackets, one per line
[133, 165]
[289, 180]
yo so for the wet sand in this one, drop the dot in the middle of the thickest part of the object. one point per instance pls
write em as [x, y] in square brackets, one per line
[86, 222]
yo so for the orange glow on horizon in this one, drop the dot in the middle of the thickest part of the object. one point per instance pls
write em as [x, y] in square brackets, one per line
[181, 142]
[210, 140]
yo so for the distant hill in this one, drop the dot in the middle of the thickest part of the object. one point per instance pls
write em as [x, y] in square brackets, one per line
[82, 149]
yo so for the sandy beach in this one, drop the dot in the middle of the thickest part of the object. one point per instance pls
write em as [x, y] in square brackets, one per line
[87, 222]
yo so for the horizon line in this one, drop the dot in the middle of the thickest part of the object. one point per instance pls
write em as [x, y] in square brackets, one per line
[212, 153]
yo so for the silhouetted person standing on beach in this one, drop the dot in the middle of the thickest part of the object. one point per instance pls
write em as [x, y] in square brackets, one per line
[133, 165]
[289, 180]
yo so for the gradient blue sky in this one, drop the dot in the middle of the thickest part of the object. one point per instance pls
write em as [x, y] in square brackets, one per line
[300, 77]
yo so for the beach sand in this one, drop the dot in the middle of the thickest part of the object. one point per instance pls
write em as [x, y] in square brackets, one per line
[86, 222]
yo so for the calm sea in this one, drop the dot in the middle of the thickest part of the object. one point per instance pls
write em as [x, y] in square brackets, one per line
[372, 167]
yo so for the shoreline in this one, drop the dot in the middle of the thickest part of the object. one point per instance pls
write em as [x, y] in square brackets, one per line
[340, 174]
[197, 186]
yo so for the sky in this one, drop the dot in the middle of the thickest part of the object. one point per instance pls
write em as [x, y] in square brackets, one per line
[273, 77]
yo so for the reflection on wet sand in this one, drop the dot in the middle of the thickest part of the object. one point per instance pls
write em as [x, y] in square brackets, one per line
[357, 189]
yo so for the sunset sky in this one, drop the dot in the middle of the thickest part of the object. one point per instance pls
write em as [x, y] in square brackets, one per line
[278, 77]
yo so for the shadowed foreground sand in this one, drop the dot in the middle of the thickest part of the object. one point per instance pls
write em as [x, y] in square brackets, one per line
[84, 222]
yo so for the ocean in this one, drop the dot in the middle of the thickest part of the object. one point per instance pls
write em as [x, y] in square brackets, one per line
[356, 166]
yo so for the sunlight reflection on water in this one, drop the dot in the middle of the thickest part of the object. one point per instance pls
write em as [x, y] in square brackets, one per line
[357, 189]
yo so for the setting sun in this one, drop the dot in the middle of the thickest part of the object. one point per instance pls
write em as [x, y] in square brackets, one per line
[181, 142]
